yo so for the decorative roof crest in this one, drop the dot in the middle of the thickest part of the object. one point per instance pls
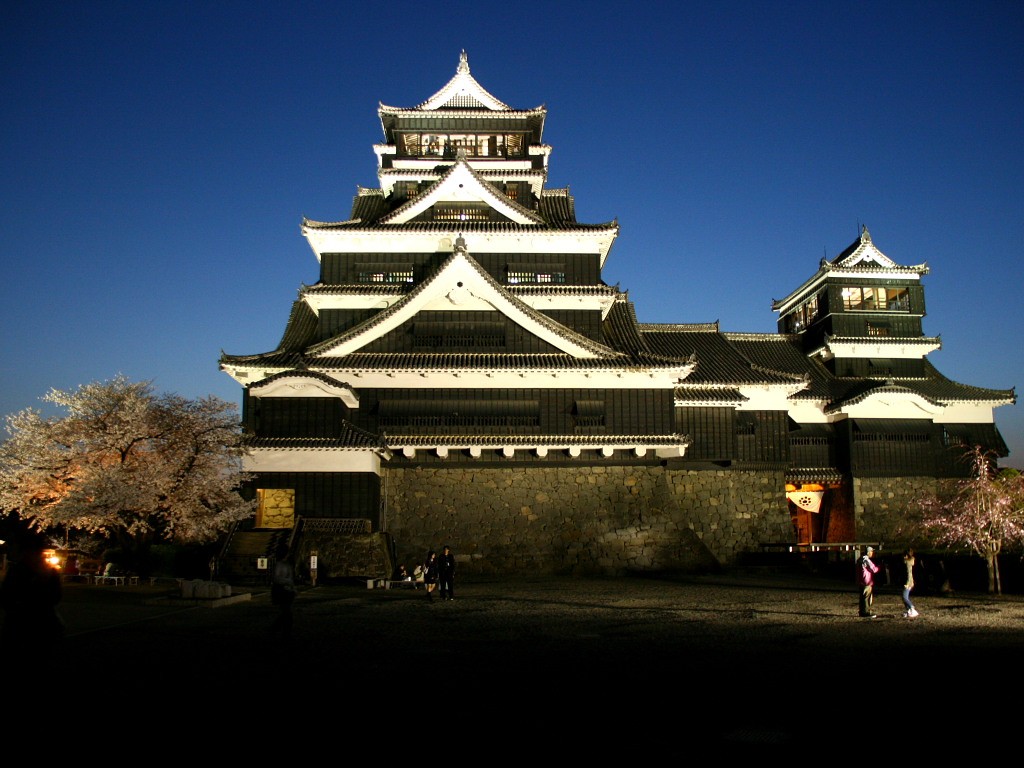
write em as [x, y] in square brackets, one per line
[464, 91]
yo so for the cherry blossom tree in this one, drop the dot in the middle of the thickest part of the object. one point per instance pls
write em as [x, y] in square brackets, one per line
[983, 514]
[126, 463]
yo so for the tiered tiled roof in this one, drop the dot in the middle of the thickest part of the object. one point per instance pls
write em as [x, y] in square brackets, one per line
[408, 439]
[782, 352]
[352, 438]
[718, 362]
[490, 227]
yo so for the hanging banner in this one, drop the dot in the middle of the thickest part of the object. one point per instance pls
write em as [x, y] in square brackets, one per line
[809, 500]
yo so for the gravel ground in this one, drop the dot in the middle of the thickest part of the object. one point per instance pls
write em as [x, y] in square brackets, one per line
[589, 668]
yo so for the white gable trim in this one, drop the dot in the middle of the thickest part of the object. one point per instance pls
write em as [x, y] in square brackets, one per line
[867, 253]
[463, 84]
[892, 405]
[303, 386]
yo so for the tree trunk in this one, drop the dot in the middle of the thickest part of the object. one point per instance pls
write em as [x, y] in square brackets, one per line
[994, 583]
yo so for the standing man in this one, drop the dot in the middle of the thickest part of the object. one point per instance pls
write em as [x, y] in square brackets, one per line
[446, 570]
[866, 570]
[283, 593]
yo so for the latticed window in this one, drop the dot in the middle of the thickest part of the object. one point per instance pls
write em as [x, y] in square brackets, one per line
[891, 431]
[471, 414]
[953, 438]
[588, 414]
[514, 145]
[803, 315]
[540, 273]
[746, 424]
[460, 213]
[410, 144]
[384, 273]
[459, 335]
[412, 189]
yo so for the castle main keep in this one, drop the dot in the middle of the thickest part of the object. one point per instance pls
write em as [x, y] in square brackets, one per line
[461, 374]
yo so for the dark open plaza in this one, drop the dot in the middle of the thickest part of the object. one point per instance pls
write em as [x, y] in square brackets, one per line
[585, 667]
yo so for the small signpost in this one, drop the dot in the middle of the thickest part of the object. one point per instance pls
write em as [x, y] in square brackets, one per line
[312, 567]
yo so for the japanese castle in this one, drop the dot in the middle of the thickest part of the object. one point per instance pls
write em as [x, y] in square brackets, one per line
[461, 374]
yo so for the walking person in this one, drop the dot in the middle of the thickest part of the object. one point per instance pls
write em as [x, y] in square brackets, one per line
[282, 594]
[866, 570]
[446, 571]
[431, 573]
[908, 584]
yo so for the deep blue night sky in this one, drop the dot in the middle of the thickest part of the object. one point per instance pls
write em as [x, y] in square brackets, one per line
[159, 158]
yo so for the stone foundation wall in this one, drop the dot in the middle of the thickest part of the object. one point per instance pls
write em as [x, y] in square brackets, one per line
[583, 521]
[881, 504]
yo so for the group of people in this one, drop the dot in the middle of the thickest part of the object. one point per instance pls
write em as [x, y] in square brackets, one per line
[439, 574]
[866, 570]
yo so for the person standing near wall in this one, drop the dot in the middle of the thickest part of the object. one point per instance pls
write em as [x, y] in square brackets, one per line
[431, 573]
[283, 593]
[866, 570]
[446, 571]
[908, 584]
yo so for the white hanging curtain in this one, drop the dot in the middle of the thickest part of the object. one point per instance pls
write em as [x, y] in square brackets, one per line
[809, 500]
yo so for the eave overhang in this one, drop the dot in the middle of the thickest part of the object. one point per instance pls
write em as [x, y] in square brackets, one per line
[877, 346]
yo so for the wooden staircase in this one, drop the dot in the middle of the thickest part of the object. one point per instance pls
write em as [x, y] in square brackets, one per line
[239, 558]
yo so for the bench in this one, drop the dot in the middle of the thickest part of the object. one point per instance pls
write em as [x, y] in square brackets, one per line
[394, 583]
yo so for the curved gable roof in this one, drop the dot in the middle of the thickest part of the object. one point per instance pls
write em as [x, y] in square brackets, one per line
[462, 94]
[863, 254]
[463, 91]
[304, 384]
[461, 184]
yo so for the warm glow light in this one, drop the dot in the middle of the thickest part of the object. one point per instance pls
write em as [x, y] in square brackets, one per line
[51, 558]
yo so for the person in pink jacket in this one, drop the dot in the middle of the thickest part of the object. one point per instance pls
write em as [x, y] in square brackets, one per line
[866, 570]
